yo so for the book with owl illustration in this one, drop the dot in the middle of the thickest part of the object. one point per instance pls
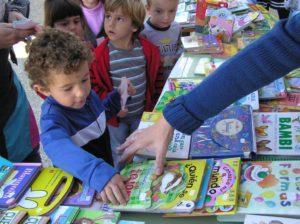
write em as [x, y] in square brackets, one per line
[174, 191]
[178, 148]
[228, 134]
[17, 183]
[277, 133]
[274, 90]
[96, 217]
[260, 219]
[167, 97]
[270, 188]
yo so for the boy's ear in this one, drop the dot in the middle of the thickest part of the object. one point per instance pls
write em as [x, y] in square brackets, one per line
[41, 89]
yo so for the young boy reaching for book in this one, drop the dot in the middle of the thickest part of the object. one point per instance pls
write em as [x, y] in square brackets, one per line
[164, 32]
[124, 54]
[73, 118]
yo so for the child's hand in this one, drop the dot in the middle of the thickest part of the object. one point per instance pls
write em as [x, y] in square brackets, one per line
[114, 191]
[122, 113]
[130, 89]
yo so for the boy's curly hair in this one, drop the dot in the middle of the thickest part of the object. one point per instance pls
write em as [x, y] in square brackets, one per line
[54, 51]
[135, 9]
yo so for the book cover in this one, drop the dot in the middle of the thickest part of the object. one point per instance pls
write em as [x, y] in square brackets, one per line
[178, 148]
[277, 133]
[274, 90]
[228, 134]
[183, 84]
[288, 104]
[243, 21]
[207, 65]
[80, 195]
[270, 188]
[46, 193]
[251, 99]
[259, 219]
[17, 183]
[6, 167]
[174, 191]
[12, 217]
[96, 217]
[37, 220]
[64, 215]
[167, 97]
[230, 49]
[292, 81]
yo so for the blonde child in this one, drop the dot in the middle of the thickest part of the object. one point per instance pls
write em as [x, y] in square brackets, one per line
[125, 53]
[73, 118]
[163, 32]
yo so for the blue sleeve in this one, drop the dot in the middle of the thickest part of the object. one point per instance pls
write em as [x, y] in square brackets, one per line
[265, 60]
[64, 154]
[112, 104]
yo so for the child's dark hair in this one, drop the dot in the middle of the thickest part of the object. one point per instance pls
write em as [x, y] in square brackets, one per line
[56, 10]
[54, 51]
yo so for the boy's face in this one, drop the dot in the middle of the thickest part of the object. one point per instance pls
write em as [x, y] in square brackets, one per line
[118, 26]
[162, 12]
[71, 24]
[69, 90]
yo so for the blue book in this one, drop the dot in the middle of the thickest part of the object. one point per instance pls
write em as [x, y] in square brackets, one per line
[228, 134]
[6, 167]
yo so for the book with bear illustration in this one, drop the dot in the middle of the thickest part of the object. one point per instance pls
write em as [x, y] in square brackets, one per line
[228, 134]
[277, 133]
[174, 191]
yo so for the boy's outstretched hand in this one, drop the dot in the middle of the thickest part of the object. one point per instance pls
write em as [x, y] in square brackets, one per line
[114, 191]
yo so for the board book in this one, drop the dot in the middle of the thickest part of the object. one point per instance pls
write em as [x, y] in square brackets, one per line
[96, 217]
[277, 133]
[64, 215]
[174, 191]
[179, 146]
[228, 134]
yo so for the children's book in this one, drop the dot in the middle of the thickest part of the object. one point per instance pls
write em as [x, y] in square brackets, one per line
[47, 192]
[292, 81]
[277, 133]
[64, 215]
[269, 188]
[96, 217]
[12, 217]
[183, 84]
[288, 104]
[228, 134]
[6, 167]
[179, 146]
[242, 6]
[207, 65]
[37, 220]
[17, 183]
[252, 100]
[182, 17]
[168, 97]
[202, 44]
[174, 191]
[229, 51]
[243, 21]
[80, 195]
[259, 219]
[222, 194]
[274, 90]
[244, 41]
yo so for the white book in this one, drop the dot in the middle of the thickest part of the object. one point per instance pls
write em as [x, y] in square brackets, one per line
[259, 219]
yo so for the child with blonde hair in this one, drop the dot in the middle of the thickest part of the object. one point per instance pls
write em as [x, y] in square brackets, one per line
[124, 53]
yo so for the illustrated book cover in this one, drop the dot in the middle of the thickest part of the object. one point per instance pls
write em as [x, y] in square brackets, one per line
[228, 134]
[96, 217]
[37, 220]
[274, 90]
[168, 97]
[64, 215]
[6, 167]
[277, 133]
[179, 146]
[260, 219]
[12, 217]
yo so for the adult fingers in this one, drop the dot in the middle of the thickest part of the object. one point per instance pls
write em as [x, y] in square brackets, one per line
[119, 195]
[129, 140]
[128, 153]
[160, 161]
[110, 196]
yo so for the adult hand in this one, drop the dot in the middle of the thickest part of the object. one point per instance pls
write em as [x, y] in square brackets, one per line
[156, 137]
[114, 191]
[9, 36]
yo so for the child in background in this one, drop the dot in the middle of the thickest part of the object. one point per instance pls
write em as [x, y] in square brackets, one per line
[73, 118]
[93, 11]
[68, 16]
[162, 31]
[124, 54]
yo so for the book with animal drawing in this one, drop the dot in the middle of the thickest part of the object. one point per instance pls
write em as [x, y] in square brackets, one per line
[260, 219]
[176, 190]
[270, 188]
[17, 183]
[277, 133]
[179, 146]
[96, 217]
[228, 134]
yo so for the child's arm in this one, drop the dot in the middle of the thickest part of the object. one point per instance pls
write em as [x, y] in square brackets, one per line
[64, 154]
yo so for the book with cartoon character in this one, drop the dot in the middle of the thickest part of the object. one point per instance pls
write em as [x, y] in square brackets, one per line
[6, 167]
[80, 195]
[260, 219]
[178, 148]
[64, 215]
[167, 97]
[228, 134]
[96, 217]
[274, 90]
[17, 183]
[47, 192]
[277, 133]
[270, 188]
[174, 191]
